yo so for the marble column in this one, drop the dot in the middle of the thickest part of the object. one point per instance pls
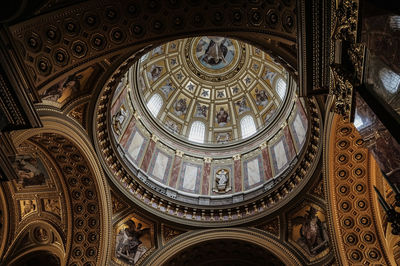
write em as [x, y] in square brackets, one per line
[237, 165]
[176, 168]
[205, 183]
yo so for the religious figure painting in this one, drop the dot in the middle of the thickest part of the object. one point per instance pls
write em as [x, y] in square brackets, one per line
[167, 88]
[223, 137]
[242, 105]
[30, 170]
[269, 75]
[27, 206]
[154, 73]
[222, 117]
[133, 238]
[173, 126]
[261, 97]
[180, 106]
[215, 52]
[310, 230]
[68, 87]
[201, 110]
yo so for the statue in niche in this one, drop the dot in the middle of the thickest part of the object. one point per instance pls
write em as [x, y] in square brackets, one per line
[313, 232]
[180, 107]
[222, 117]
[128, 244]
[261, 97]
[118, 119]
[221, 181]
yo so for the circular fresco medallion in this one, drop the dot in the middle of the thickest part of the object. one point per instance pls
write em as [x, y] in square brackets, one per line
[214, 58]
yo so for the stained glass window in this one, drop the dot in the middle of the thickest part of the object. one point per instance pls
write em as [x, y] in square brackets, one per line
[197, 132]
[247, 126]
[155, 104]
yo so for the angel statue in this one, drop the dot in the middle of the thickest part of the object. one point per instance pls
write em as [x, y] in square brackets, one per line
[313, 232]
[128, 244]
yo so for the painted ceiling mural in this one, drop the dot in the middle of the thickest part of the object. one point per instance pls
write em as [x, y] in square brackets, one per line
[214, 80]
[219, 83]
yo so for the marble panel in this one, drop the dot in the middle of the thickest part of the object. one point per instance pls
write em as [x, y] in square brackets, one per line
[160, 166]
[190, 177]
[136, 147]
[128, 133]
[279, 155]
[253, 172]
[299, 131]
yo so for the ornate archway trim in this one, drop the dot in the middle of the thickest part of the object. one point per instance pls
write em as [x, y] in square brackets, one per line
[55, 122]
[350, 173]
[194, 237]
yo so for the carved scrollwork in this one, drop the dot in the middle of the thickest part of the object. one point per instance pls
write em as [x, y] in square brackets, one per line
[348, 72]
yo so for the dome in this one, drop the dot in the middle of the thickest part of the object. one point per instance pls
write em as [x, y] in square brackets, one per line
[212, 90]
[206, 121]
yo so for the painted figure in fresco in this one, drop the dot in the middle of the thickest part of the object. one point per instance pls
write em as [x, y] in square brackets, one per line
[180, 107]
[155, 72]
[70, 85]
[27, 169]
[128, 242]
[215, 51]
[167, 88]
[242, 104]
[222, 117]
[223, 138]
[118, 119]
[313, 233]
[29, 206]
[269, 75]
[171, 125]
[201, 110]
[261, 97]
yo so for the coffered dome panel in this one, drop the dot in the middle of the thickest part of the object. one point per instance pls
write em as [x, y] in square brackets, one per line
[207, 122]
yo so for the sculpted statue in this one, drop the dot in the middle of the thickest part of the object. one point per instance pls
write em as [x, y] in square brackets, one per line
[221, 180]
[313, 233]
[128, 244]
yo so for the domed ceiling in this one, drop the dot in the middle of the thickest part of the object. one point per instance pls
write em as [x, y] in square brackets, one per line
[211, 90]
[252, 125]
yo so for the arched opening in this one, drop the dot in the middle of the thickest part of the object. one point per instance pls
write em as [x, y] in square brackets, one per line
[281, 88]
[224, 252]
[197, 132]
[38, 258]
[247, 126]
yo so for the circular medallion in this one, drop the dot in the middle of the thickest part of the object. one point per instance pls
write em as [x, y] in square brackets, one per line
[214, 58]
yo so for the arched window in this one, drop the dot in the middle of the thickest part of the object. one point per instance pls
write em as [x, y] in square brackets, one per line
[390, 80]
[155, 104]
[247, 126]
[281, 88]
[197, 132]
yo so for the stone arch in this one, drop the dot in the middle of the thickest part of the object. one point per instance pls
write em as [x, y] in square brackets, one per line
[36, 238]
[195, 237]
[350, 174]
[82, 170]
